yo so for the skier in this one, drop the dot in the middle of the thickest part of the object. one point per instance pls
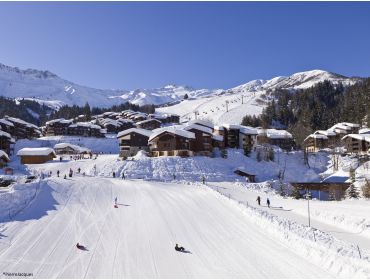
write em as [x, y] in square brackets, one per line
[177, 248]
[114, 174]
[203, 179]
[70, 172]
[58, 173]
[123, 176]
[258, 200]
[60, 159]
[174, 176]
[79, 246]
[268, 203]
[79, 170]
[115, 201]
[65, 176]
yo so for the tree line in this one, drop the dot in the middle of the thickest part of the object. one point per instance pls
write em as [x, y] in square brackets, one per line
[302, 112]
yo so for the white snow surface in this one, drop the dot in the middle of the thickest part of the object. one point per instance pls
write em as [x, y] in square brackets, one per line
[41, 222]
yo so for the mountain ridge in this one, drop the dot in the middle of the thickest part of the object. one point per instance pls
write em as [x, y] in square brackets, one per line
[48, 88]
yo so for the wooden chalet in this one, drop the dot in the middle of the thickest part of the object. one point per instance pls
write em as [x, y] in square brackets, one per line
[149, 124]
[57, 127]
[241, 172]
[36, 155]
[23, 129]
[323, 190]
[357, 143]
[231, 135]
[133, 140]
[172, 142]
[202, 145]
[275, 137]
[86, 129]
[247, 137]
[70, 149]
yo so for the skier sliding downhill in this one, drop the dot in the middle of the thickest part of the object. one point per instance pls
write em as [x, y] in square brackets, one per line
[115, 203]
[81, 247]
[180, 249]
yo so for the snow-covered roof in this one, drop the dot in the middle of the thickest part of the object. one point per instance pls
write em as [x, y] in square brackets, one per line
[275, 133]
[364, 131]
[16, 120]
[141, 131]
[231, 126]
[361, 137]
[179, 132]
[344, 126]
[325, 132]
[5, 134]
[4, 155]
[217, 137]
[198, 127]
[149, 120]
[248, 130]
[35, 152]
[202, 122]
[85, 124]
[62, 120]
[74, 147]
[4, 121]
[316, 136]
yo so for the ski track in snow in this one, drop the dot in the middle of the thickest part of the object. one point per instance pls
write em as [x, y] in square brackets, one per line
[137, 240]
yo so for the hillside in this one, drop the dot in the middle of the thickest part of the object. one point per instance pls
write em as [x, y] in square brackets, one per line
[250, 98]
[49, 89]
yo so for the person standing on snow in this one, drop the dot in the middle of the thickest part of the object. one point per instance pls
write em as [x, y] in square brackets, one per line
[268, 203]
[58, 173]
[123, 175]
[258, 200]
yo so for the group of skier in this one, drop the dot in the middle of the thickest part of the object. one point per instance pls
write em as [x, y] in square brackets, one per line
[259, 201]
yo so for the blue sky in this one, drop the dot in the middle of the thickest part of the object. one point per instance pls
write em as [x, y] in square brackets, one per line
[201, 44]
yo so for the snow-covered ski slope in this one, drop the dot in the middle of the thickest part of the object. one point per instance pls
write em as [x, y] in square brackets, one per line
[136, 240]
[227, 108]
[230, 106]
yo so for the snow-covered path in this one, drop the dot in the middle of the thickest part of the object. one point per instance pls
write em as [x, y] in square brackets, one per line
[354, 227]
[137, 239]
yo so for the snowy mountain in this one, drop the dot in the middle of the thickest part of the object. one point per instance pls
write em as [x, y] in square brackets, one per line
[249, 99]
[51, 90]
[299, 80]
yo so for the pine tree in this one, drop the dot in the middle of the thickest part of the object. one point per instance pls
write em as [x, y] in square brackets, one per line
[282, 188]
[296, 193]
[352, 191]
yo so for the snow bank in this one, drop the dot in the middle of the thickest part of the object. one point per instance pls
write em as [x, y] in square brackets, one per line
[16, 198]
[344, 259]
